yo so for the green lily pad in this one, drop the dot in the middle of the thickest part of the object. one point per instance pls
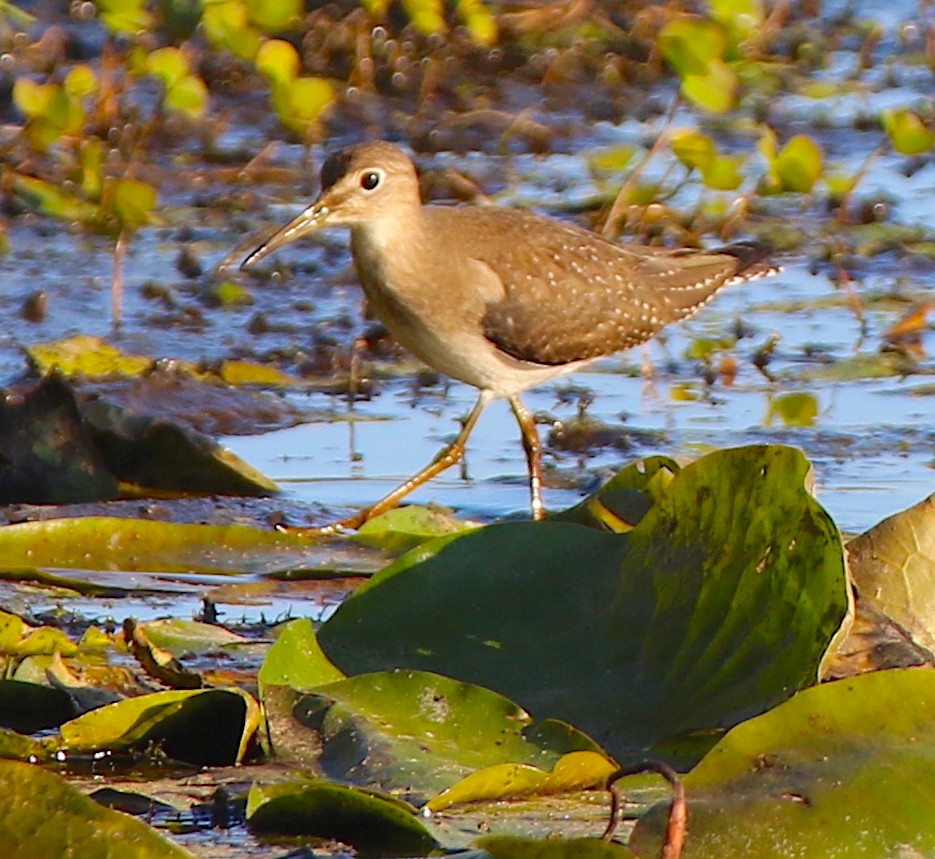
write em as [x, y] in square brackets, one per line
[364, 819]
[404, 528]
[792, 409]
[253, 373]
[425, 733]
[843, 769]
[573, 771]
[14, 746]
[622, 502]
[719, 604]
[19, 639]
[296, 660]
[42, 815]
[110, 543]
[182, 637]
[208, 727]
[513, 847]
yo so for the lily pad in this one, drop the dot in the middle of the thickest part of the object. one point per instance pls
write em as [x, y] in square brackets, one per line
[893, 566]
[296, 660]
[621, 503]
[207, 727]
[572, 771]
[718, 605]
[405, 528]
[14, 746]
[183, 637]
[423, 733]
[843, 769]
[363, 819]
[110, 543]
[19, 639]
[513, 847]
[42, 815]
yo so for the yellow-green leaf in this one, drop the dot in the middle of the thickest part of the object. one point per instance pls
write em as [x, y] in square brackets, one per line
[108, 543]
[126, 723]
[17, 638]
[125, 16]
[300, 103]
[91, 156]
[691, 43]
[167, 64]
[43, 816]
[427, 16]
[692, 147]
[799, 164]
[238, 372]
[723, 173]
[714, 90]
[85, 355]
[45, 198]
[278, 60]
[480, 21]
[31, 98]
[188, 95]
[132, 201]
[227, 23]
[573, 771]
[275, 15]
[81, 81]
[741, 17]
[907, 132]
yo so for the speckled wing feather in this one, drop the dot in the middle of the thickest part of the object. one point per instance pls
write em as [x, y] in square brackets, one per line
[569, 295]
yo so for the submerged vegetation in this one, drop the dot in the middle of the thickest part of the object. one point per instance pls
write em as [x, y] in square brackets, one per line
[467, 687]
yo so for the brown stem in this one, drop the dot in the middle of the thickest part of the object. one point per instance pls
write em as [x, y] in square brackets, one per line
[116, 283]
[615, 215]
[678, 813]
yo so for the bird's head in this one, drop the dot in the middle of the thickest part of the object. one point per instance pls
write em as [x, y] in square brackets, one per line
[360, 186]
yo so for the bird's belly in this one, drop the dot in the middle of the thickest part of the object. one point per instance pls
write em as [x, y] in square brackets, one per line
[451, 342]
[473, 359]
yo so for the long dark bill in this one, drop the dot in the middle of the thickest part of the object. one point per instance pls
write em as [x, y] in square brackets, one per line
[311, 220]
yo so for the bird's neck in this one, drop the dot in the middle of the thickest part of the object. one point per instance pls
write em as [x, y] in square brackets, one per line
[385, 245]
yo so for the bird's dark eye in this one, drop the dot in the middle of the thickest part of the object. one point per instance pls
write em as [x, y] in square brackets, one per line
[370, 180]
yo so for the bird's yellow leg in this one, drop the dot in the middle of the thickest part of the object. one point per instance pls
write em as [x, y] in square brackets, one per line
[533, 447]
[449, 456]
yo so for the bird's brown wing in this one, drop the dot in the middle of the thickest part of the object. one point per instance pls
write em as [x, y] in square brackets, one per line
[578, 297]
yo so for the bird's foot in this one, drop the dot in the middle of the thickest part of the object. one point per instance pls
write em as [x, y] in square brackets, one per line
[329, 529]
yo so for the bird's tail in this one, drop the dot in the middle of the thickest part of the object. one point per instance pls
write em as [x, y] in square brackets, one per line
[752, 261]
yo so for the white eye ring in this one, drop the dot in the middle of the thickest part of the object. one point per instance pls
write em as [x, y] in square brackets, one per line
[372, 178]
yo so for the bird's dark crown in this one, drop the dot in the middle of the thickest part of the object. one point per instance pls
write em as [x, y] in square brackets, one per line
[335, 167]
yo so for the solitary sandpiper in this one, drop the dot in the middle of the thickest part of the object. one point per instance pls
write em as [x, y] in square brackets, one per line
[499, 298]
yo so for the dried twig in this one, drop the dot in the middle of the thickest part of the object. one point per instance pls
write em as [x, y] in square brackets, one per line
[678, 813]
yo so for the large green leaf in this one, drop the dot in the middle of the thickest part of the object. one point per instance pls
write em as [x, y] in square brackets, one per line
[43, 816]
[719, 604]
[844, 769]
[296, 660]
[109, 543]
[364, 819]
[423, 733]
[204, 726]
